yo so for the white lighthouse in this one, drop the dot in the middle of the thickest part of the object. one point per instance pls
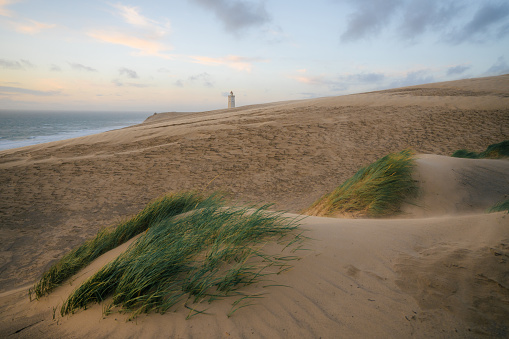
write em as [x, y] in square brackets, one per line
[231, 100]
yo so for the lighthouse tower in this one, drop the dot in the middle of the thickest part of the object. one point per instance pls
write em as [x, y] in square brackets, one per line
[231, 100]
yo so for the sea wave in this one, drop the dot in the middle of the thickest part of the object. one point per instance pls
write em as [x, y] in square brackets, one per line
[21, 129]
[40, 139]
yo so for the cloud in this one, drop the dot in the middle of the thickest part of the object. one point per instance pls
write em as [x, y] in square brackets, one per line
[32, 27]
[413, 78]
[365, 77]
[312, 80]
[457, 69]
[503, 31]
[146, 47]
[275, 34]
[3, 7]
[365, 81]
[146, 41]
[410, 19]
[237, 15]
[179, 83]
[484, 25]
[27, 63]
[20, 90]
[11, 83]
[369, 18]
[80, 67]
[128, 84]
[498, 68]
[55, 68]
[133, 17]
[420, 16]
[205, 78]
[128, 73]
[341, 82]
[334, 84]
[15, 65]
[234, 61]
[21, 25]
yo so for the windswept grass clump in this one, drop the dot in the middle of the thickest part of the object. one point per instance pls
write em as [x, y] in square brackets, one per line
[495, 151]
[375, 190]
[500, 206]
[107, 239]
[203, 255]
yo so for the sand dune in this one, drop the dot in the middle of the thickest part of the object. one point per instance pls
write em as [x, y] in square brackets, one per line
[439, 277]
[439, 270]
[453, 186]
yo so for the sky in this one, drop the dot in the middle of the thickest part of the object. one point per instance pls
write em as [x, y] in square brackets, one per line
[187, 55]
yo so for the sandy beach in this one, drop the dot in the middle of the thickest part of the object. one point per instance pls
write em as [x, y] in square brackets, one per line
[440, 269]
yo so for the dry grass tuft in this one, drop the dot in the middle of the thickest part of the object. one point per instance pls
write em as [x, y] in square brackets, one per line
[375, 190]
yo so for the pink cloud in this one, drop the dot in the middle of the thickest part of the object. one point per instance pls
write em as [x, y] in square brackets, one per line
[147, 41]
[133, 16]
[144, 46]
[311, 80]
[31, 28]
[3, 8]
[21, 25]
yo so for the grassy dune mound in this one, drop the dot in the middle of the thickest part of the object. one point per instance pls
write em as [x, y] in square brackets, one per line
[375, 190]
[108, 239]
[500, 206]
[207, 253]
[495, 151]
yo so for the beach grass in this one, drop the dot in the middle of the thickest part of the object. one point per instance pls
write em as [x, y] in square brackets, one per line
[203, 255]
[107, 239]
[500, 206]
[375, 190]
[494, 151]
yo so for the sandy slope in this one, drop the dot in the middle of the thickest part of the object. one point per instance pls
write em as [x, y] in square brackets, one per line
[451, 186]
[443, 275]
[438, 277]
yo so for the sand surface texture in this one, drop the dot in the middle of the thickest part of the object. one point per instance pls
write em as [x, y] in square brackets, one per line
[439, 270]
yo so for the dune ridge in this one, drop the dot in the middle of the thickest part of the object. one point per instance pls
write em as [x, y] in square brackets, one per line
[438, 270]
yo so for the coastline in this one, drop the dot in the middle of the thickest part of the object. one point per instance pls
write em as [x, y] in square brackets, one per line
[20, 128]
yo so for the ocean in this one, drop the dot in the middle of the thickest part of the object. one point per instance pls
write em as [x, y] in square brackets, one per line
[24, 128]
